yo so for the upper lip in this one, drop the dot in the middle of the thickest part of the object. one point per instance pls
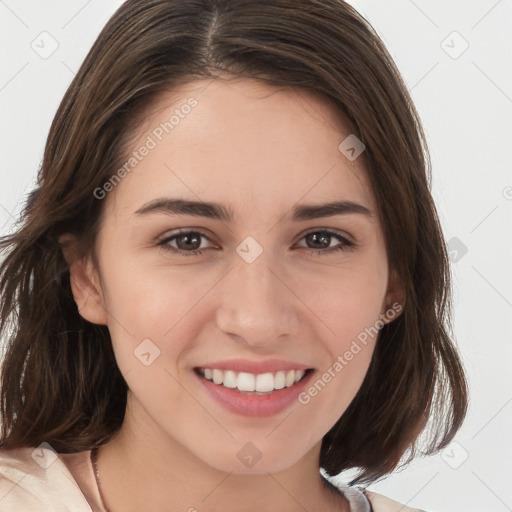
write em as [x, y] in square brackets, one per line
[256, 367]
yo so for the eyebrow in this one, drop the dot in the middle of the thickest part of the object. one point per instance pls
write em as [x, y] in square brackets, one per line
[219, 212]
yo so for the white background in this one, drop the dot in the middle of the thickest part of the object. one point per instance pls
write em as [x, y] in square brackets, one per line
[465, 101]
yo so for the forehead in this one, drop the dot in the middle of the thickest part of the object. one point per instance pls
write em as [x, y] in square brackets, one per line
[241, 142]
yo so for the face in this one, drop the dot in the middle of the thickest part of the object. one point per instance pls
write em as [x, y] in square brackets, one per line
[255, 285]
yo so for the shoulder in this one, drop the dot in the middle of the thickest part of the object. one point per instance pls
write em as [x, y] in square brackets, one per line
[381, 503]
[37, 479]
[362, 500]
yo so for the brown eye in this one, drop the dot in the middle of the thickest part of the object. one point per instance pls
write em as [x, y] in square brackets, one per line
[184, 243]
[320, 242]
[188, 241]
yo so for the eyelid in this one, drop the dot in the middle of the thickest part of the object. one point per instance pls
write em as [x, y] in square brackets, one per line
[342, 234]
[179, 231]
[347, 241]
[202, 232]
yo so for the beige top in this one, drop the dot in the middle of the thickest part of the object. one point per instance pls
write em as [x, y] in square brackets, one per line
[39, 480]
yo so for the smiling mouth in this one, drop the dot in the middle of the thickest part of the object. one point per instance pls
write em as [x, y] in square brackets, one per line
[253, 383]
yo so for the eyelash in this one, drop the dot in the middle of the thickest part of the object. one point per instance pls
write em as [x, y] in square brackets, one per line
[347, 245]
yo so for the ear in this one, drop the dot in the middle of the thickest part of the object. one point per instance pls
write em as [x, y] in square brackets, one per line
[394, 301]
[85, 282]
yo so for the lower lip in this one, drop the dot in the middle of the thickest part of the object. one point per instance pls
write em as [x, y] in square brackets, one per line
[254, 405]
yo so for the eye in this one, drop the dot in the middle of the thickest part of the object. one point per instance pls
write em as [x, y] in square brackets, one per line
[188, 243]
[322, 239]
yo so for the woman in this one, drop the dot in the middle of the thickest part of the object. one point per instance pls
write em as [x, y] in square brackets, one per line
[230, 282]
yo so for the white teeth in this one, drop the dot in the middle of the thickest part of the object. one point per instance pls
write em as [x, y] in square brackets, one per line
[280, 380]
[265, 382]
[259, 383]
[218, 376]
[298, 375]
[245, 381]
[230, 380]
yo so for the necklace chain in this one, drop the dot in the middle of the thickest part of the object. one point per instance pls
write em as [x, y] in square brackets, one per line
[94, 462]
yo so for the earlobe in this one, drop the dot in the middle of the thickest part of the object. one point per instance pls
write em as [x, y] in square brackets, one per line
[87, 292]
[85, 284]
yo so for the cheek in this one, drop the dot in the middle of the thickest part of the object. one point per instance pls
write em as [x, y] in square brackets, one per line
[345, 301]
[348, 311]
[338, 380]
[151, 321]
[150, 300]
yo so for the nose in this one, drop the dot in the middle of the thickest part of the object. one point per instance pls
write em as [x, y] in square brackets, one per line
[257, 305]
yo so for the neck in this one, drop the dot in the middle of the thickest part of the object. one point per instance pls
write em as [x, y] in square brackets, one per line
[141, 456]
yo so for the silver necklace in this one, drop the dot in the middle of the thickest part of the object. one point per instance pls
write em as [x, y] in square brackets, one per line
[94, 462]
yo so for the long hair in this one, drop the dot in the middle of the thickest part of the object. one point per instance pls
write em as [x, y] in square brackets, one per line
[59, 380]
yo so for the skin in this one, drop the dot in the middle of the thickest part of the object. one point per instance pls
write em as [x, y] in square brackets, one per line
[259, 151]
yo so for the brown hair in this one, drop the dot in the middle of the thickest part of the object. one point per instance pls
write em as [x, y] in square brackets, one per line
[60, 381]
